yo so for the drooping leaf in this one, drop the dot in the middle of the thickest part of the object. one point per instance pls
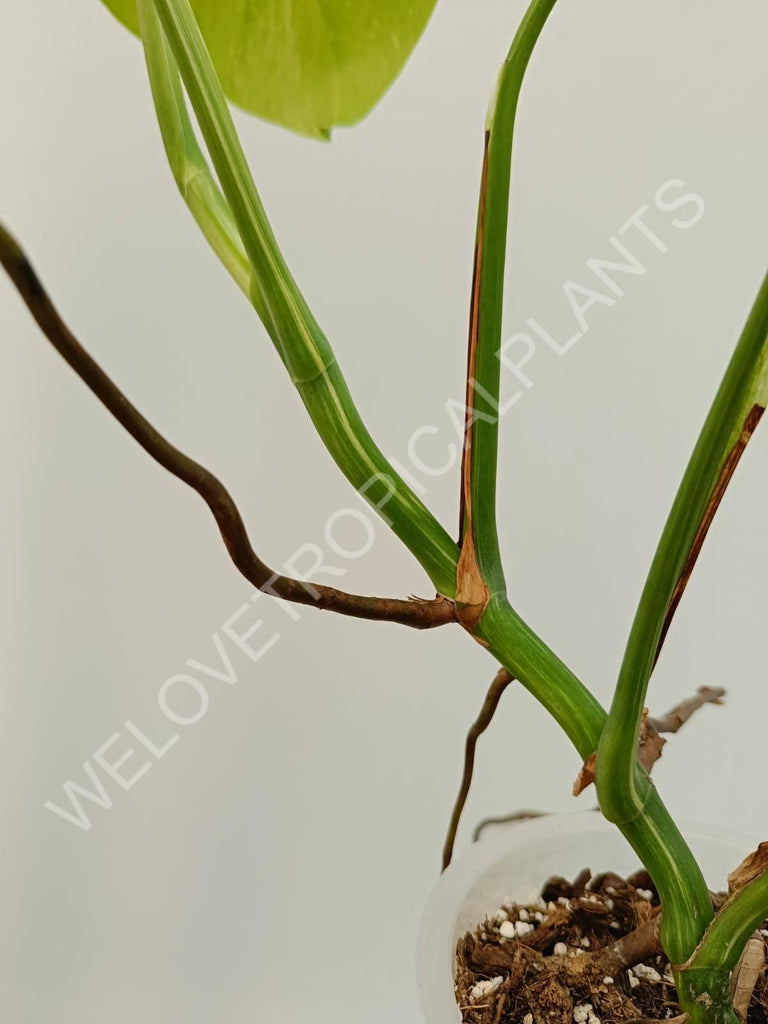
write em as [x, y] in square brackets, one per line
[307, 64]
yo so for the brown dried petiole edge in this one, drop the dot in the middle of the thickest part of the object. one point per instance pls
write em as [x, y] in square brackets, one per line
[729, 468]
[419, 614]
[471, 589]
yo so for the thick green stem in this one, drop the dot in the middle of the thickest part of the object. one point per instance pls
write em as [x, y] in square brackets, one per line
[541, 672]
[706, 996]
[294, 331]
[652, 834]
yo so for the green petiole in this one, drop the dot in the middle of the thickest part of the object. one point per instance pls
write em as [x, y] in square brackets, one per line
[301, 344]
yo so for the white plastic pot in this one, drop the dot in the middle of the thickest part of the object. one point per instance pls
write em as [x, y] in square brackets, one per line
[513, 862]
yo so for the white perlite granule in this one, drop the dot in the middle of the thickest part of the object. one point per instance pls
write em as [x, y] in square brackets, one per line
[644, 971]
[484, 988]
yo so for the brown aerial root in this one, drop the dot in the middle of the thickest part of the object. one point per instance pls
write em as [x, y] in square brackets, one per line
[501, 681]
[419, 614]
[505, 819]
[652, 742]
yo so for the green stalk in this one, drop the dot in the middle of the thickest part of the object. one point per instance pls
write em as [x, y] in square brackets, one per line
[624, 789]
[709, 969]
[652, 834]
[542, 673]
[739, 401]
[650, 829]
[675, 871]
[725, 939]
[481, 592]
[488, 301]
[188, 164]
[300, 342]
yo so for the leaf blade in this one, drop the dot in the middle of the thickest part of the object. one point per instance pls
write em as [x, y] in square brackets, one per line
[309, 65]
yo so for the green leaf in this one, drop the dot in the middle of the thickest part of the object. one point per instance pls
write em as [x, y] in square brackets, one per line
[306, 64]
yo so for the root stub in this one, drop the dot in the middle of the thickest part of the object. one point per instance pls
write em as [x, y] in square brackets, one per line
[586, 952]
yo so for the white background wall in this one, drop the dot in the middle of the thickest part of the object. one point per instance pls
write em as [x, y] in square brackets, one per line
[273, 865]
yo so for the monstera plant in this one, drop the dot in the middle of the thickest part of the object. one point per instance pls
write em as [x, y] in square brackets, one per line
[312, 65]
